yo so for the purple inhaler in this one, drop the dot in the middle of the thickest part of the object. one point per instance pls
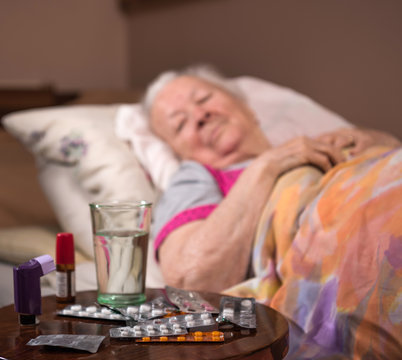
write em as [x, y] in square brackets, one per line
[27, 294]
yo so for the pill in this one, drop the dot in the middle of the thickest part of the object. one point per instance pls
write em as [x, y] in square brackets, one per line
[190, 323]
[125, 333]
[204, 316]
[189, 317]
[164, 331]
[157, 312]
[176, 326]
[145, 308]
[246, 303]
[131, 310]
[163, 326]
[76, 307]
[106, 311]
[151, 332]
[137, 333]
[68, 312]
[115, 316]
[163, 338]
[198, 338]
[98, 315]
[228, 312]
[91, 309]
[207, 321]
[173, 319]
[177, 330]
[137, 328]
[146, 338]
[181, 338]
[150, 327]
[82, 313]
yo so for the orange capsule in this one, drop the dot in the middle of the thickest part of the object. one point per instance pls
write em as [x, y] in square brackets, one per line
[163, 338]
[198, 338]
[198, 333]
[181, 338]
[146, 338]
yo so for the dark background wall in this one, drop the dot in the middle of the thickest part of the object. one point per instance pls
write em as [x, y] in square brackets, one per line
[346, 54]
[70, 44]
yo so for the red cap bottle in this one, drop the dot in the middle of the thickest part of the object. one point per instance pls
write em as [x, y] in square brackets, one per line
[65, 268]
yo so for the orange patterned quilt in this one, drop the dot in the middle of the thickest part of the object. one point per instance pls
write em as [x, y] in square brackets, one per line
[328, 255]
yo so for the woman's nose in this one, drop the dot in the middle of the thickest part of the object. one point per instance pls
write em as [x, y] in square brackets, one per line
[202, 117]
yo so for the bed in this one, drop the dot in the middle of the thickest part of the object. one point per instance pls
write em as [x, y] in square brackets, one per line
[86, 153]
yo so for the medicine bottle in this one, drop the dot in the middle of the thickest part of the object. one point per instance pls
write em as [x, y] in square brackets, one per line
[65, 268]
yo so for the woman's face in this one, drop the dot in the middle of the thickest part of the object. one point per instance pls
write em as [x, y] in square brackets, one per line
[201, 121]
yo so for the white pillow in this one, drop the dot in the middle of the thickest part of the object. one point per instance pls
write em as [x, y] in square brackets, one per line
[282, 113]
[80, 160]
[153, 153]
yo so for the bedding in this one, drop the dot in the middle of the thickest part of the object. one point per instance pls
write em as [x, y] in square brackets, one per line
[328, 255]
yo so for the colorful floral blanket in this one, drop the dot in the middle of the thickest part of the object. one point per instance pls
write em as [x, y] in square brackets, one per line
[328, 255]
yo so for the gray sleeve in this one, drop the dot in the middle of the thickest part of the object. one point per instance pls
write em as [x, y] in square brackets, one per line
[191, 186]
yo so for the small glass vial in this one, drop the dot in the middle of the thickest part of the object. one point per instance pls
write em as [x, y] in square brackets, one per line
[65, 268]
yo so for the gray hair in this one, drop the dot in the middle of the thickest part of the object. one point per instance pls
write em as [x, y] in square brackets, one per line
[204, 72]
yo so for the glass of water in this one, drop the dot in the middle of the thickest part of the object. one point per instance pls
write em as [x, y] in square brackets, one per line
[120, 234]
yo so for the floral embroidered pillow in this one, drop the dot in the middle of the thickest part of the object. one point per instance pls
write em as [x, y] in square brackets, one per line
[80, 160]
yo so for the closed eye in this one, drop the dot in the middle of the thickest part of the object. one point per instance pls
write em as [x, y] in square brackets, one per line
[180, 125]
[204, 98]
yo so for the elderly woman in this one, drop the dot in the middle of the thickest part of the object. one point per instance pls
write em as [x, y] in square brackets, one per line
[214, 130]
[313, 224]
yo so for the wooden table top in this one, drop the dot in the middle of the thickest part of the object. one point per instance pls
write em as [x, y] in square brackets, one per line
[269, 341]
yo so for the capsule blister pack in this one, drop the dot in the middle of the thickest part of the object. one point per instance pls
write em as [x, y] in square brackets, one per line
[239, 311]
[91, 312]
[153, 328]
[197, 336]
[155, 308]
[189, 301]
[196, 321]
[174, 325]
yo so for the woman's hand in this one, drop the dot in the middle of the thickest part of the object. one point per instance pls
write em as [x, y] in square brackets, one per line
[358, 140]
[301, 151]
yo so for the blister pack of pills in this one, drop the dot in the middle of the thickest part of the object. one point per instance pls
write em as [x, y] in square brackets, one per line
[189, 301]
[89, 343]
[152, 309]
[196, 321]
[239, 311]
[155, 308]
[153, 328]
[91, 312]
[174, 325]
[198, 336]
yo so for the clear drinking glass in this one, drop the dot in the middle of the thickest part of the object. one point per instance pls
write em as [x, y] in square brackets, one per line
[120, 233]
